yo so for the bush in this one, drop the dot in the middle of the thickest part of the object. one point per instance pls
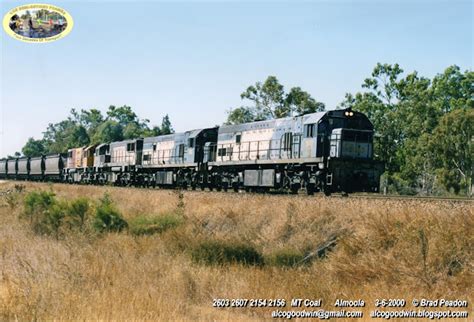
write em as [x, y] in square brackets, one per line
[213, 252]
[77, 213]
[142, 225]
[285, 257]
[44, 212]
[107, 217]
[38, 202]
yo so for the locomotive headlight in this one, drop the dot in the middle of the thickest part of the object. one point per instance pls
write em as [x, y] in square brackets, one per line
[349, 112]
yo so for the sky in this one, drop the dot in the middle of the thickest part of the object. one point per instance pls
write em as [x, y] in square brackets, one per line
[192, 60]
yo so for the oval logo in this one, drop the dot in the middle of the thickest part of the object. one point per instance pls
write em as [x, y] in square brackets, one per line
[37, 23]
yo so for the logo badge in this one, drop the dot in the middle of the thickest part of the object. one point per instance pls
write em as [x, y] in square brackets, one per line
[37, 23]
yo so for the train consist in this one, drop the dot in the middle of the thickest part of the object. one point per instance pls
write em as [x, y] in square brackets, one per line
[328, 151]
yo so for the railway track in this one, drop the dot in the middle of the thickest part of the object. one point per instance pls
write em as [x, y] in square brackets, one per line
[400, 197]
[304, 195]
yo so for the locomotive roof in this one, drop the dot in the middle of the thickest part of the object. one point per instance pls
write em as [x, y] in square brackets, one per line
[314, 118]
[172, 136]
[308, 119]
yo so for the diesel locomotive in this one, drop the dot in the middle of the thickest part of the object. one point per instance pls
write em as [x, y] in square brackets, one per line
[329, 151]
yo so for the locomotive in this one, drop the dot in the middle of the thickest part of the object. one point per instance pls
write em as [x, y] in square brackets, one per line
[329, 151]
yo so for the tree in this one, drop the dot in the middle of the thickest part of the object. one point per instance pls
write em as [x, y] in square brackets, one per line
[379, 104]
[65, 135]
[109, 131]
[240, 115]
[269, 101]
[34, 148]
[302, 103]
[91, 120]
[453, 142]
[166, 127]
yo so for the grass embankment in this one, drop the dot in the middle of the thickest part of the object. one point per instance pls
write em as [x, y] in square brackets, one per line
[78, 253]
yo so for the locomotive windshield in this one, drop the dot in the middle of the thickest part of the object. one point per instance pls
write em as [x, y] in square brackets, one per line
[348, 143]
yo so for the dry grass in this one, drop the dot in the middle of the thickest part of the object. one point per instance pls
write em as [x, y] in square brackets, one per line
[385, 249]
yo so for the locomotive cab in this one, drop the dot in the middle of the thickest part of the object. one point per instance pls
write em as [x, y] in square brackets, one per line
[102, 155]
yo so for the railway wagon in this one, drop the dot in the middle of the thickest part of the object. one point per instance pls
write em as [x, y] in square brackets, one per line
[53, 167]
[3, 168]
[23, 171]
[36, 168]
[12, 165]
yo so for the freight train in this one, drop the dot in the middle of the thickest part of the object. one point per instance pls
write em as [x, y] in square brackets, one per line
[329, 151]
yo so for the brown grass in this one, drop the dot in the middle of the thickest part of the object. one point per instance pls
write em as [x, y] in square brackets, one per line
[385, 249]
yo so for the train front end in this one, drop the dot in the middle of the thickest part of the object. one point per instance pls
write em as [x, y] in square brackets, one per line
[351, 164]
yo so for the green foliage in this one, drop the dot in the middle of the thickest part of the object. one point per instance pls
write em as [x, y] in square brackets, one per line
[285, 257]
[107, 217]
[216, 252]
[166, 127]
[34, 148]
[453, 144]
[77, 213]
[270, 101]
[90, 126]
[38, 201]
[44, 212]
[146, 225]
[109, 131]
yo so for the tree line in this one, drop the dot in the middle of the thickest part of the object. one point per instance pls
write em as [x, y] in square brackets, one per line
[87, 127]
[424, 127]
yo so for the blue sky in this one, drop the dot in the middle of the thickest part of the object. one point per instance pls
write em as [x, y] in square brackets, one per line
[193, 59]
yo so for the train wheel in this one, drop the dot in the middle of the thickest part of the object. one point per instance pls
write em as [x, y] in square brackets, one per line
[310, 189]
[294, 189]
[326, 191]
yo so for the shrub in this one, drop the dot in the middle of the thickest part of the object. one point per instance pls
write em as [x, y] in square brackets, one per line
[37, 203]
[107, 217]
[44, 212]
[77, 213]
[213, 252]
[285, 257]
[142, 225]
